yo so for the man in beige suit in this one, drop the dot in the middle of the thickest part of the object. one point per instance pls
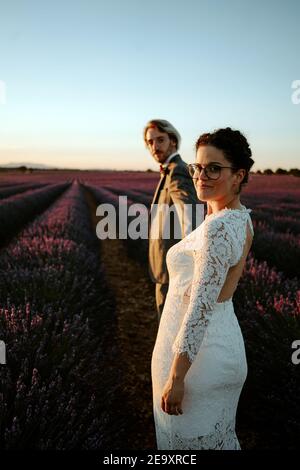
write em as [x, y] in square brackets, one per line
[175, 189]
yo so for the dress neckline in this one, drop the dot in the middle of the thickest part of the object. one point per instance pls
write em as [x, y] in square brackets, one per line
[244, 209]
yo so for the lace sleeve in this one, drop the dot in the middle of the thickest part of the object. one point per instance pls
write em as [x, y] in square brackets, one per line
[211, 264]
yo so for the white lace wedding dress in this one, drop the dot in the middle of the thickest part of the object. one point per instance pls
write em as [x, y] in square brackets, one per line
[193, 322]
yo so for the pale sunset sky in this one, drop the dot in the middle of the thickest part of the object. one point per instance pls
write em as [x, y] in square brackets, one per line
[79, 79]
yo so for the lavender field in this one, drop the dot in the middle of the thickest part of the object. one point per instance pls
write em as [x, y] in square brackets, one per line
[70, 354]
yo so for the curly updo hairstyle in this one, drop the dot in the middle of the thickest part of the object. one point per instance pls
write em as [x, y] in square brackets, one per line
[234, 146]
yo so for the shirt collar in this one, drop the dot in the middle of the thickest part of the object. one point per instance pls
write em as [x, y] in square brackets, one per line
[166, 162]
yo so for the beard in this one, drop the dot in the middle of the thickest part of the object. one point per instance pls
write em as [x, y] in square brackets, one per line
[163, 155]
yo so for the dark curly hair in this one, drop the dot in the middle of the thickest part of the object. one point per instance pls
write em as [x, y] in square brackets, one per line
[234, 146]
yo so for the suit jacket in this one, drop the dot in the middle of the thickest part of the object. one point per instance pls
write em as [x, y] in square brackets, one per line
[175, 187]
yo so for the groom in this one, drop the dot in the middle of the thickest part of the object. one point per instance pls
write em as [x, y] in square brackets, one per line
[175, 187]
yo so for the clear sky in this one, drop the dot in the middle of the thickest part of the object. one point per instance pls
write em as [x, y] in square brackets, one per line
[82, 77]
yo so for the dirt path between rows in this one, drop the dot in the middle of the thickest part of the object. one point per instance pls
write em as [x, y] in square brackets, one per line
[134, 296]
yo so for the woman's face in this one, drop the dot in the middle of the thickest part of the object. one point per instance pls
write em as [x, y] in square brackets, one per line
[227, 183]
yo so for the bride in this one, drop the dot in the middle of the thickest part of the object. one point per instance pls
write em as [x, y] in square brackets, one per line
[199, 364]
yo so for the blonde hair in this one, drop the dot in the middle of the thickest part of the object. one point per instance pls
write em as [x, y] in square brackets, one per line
[163, 126]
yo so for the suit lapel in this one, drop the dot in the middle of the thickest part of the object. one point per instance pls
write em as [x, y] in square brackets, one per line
[158, 188]
[162, 180]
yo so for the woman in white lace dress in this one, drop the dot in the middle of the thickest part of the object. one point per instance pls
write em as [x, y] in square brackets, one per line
[199, 364]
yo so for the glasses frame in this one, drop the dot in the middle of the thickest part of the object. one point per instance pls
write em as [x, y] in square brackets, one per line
[197, 165]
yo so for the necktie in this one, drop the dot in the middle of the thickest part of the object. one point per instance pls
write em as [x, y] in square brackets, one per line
[163, 170]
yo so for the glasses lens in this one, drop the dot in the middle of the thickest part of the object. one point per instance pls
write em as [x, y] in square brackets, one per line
[213, 171]
[192, 169]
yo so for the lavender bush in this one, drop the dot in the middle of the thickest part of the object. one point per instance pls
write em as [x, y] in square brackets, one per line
[56, 320]
[17, 210]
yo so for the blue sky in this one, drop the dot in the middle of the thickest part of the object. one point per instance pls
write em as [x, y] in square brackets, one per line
[83, 77]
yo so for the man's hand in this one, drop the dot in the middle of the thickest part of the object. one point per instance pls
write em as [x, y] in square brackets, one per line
[172, 397]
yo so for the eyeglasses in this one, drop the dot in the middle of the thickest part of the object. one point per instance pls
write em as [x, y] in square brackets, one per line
[212, 172]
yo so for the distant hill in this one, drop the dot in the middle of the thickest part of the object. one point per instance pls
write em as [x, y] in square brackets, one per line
[38, 166]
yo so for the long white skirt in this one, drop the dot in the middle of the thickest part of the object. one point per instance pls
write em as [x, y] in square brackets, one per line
[212, 385]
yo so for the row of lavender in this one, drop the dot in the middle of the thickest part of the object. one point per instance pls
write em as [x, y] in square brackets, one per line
[267, 304]
[10, 190]
[55, 318]
[18, 209]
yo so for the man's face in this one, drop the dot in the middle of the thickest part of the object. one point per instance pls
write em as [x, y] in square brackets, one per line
[159, 144]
